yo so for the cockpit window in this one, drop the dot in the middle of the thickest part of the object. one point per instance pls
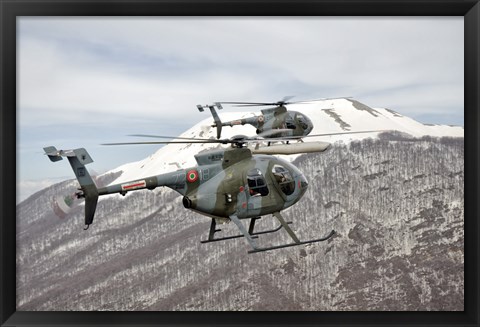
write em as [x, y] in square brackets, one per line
[284, 179]
[256, 183]
[290, 123]
[302, 121]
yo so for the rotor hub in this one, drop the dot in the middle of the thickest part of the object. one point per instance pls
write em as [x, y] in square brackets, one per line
[238, 141]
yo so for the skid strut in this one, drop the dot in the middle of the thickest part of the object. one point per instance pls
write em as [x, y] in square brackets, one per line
[251, 227]
[292, 235]
[250, 235]
[292, 244]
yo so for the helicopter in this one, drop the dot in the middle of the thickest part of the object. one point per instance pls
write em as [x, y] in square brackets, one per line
[234, 184]
[273, 122]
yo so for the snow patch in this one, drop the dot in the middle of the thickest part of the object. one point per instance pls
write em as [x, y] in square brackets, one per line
[324, 116]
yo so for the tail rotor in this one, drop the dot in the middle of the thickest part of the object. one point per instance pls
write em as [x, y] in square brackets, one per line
[78, 158]
[216, 118]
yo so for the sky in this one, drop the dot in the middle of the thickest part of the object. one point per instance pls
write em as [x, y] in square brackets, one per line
[86, 81]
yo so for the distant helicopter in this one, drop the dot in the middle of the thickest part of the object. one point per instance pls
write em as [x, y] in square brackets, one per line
[273, 122]
[233, 184]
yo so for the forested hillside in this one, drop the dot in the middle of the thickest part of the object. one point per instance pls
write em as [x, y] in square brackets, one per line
[396, 203]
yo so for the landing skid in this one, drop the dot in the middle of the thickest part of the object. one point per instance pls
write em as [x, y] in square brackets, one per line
[253, 234]
[292, 244]
[250, 235]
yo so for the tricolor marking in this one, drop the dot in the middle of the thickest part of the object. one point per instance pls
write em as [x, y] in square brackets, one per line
[192, 176]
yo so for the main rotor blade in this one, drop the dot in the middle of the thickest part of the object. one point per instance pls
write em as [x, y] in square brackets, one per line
[288, 138]
[323, 99]
[248, 104]
[340, 133]
[284, 101]
[171, 142]
[255, 105]
[286, 98]
[272, 132]
[170, 137]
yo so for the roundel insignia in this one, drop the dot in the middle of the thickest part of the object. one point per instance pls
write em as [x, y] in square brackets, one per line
[192, 176]
[261, 119]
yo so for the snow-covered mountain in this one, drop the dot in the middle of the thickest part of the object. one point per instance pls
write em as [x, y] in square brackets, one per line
[395, 201]
[329, 116]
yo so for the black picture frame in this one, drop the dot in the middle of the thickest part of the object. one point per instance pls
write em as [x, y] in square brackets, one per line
[10, 10]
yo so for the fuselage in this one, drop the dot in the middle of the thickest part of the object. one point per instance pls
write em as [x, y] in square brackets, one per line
[249, 186]
[229, 181]
[290, 123]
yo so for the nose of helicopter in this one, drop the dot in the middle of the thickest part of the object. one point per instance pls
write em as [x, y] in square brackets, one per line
[310, 126]
[302, 183]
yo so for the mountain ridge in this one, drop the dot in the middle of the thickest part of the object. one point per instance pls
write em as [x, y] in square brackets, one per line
[396, 202]
[356, 115]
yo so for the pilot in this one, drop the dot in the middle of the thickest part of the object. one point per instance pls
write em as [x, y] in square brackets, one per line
[280, 178]
[254, 192]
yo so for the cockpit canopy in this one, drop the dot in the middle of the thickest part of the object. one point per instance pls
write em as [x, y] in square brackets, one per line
[303, 121]
[284, 179]
[290, 122]
[282, 176]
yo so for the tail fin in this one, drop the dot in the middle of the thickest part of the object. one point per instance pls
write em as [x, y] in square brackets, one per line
[216, 119]
[78, 158]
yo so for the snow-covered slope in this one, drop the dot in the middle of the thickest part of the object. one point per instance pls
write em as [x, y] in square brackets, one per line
[329, 116]
[397, 205]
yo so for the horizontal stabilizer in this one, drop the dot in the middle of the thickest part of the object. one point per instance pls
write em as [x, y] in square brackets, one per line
[52, 153]
[56, 155]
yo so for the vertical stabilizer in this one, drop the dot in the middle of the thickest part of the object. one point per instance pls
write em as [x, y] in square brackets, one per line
[216, 118]
[78, 158]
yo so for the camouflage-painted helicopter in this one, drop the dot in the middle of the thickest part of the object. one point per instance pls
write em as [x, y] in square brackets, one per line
[233, 184]
[272, 123]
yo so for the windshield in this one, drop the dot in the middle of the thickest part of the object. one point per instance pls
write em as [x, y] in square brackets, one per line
[302, 121]
[284, 178]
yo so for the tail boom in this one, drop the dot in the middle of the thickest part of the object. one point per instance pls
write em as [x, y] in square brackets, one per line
[174, 180]
[78, 158]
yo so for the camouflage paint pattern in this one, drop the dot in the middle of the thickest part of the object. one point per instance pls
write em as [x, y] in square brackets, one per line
[218, 186]
[295, 122]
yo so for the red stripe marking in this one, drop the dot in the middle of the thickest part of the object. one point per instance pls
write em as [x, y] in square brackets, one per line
[134, 185]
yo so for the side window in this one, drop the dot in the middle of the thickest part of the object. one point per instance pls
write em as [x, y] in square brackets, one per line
[284, 179]
[256, 183]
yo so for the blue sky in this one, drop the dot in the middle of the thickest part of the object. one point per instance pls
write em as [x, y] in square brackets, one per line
[86, 81]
